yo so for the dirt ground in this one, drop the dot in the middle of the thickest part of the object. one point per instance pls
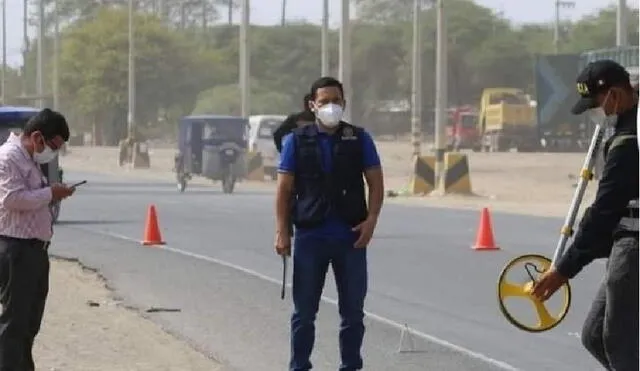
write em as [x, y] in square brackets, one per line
[540, 184]
[84, 329]
[524, 183]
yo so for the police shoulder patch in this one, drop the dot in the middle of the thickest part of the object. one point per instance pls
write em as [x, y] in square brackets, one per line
[347, 134]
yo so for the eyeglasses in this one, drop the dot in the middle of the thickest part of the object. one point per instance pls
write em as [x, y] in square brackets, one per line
[52, 145]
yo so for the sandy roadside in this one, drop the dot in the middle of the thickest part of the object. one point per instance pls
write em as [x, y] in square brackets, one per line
[85, 329]
[538, 184]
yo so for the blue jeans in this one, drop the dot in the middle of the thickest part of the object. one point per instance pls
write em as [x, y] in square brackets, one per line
[311, 259]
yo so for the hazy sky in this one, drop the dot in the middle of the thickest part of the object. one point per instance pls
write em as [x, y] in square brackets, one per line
[268, 12]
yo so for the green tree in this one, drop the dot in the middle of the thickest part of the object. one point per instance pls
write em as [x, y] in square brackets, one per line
[170, 71]
[225, 100]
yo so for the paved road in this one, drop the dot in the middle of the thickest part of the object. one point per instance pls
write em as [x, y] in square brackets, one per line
[220, 271]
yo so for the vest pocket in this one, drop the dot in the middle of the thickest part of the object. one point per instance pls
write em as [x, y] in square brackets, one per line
[310, 210]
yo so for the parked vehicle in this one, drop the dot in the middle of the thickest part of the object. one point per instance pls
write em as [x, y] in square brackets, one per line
[261, 140]
[506, 120]
[213, 147]
[462, 130]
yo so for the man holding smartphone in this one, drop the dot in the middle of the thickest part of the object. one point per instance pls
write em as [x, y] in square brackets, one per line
[26, 228]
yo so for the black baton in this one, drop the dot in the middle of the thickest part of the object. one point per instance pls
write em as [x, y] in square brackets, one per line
[284, 276]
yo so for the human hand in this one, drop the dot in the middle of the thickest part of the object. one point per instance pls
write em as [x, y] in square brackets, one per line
[547, 284]
[365, 229]
[283, 243]
[61, 191]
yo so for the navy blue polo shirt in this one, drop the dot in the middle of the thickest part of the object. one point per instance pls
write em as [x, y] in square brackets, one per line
[333, 227]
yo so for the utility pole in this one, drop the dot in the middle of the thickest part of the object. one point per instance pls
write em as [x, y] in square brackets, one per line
[325, 38]
[131, 114]
[441, 94]
[40, 57]
[56, 56]
[204, 16]
[25, 44]
[283, 16]
[621, 23]
[4, 51]
[245, 68]
[162, 10]
[556, 24]
[345, 58]
[416, 86]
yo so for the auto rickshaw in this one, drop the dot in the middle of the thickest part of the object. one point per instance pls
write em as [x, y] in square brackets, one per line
[13, 119]
[211, 146]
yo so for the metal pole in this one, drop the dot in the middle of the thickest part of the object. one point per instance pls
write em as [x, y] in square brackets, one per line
[345, 57]
[25, 44]
[441, 94]
[40, 57]
[325, 38]
[416, 88]
[621, 23]
[245, 68]
[56, 57]
[556, 29]
[131, 114]
[283, 17]
[162, 8]
[204, 16]
[4, 51]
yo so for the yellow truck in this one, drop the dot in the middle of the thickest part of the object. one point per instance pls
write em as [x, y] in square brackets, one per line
[507, 120]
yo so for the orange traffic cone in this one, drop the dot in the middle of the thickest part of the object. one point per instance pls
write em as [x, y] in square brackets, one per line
[151, 229]
[484, 237]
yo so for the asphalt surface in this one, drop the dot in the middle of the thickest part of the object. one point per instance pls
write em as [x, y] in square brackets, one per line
[219, 270]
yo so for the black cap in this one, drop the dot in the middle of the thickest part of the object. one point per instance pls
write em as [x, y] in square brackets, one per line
[598, 77]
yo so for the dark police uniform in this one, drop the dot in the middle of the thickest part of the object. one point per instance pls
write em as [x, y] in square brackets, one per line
[609, 229]
[329, 201]
[289, 124]
[292, 121]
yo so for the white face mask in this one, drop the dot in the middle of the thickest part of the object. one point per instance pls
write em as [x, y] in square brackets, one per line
[47, 155]
[329, 115]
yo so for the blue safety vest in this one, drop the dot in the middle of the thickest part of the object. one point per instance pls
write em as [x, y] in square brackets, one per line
[339, 192]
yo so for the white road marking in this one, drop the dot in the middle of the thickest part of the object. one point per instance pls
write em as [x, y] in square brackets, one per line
[433, 339]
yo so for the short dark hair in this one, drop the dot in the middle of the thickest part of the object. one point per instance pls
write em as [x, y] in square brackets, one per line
[325, 82]
[305, 104]
[50, 123]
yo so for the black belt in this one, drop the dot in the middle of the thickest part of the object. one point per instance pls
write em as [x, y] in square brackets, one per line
[34, 242]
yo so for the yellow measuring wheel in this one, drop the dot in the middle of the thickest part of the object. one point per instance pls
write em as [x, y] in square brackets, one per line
[528, 268]
[546, 315]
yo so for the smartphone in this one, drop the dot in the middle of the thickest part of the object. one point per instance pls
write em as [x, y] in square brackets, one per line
[78, 184]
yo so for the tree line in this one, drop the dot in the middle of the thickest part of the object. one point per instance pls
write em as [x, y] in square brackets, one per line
[187, 59]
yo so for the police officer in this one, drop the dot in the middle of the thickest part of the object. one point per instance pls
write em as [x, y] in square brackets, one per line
[293, 121]
[323, 164]
[609, 227]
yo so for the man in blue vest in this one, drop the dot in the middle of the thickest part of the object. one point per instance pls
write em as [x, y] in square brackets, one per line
[323, 165]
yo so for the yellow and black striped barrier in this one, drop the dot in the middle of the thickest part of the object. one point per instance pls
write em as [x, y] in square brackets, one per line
[423, 176]
[457, 178]
[255, 167]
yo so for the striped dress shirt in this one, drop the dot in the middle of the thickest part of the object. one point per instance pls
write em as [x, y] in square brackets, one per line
[24, 194]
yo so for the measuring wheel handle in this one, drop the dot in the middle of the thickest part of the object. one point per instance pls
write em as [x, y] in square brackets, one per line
[537, 264]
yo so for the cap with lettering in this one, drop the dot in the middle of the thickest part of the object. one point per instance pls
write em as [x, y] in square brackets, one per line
[595, 78]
